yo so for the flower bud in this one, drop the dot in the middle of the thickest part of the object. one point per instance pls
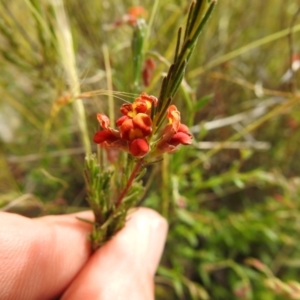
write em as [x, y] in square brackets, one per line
[139, 147]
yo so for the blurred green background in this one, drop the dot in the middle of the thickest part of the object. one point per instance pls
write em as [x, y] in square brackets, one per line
[232, 198]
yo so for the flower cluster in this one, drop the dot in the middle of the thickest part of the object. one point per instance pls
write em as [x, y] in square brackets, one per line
[134, 13]
[174, 133]
[136, 129]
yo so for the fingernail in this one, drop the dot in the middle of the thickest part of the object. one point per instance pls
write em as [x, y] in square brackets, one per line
[151, 236]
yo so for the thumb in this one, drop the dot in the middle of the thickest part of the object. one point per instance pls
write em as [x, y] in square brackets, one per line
[125, 266]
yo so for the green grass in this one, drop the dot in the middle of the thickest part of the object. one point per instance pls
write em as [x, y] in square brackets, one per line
[227, 204]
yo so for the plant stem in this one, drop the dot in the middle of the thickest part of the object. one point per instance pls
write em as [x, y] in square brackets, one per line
[108, 72]
[65, 45]
[150, 24]
[199, 13]
[134, 172]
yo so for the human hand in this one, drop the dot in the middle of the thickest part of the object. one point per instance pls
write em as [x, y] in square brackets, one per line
[50, 257]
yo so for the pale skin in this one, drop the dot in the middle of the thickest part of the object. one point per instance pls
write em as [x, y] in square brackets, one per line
[50, 258]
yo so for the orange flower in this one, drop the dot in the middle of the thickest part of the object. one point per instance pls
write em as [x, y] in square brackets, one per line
[174, 117]
[142, 104]
[135, 13]
[139, 147]
[108, 137]
[131, 17]
[104, 136]
[126, 108]
[174, 133]
[182, 136]
[135, 129]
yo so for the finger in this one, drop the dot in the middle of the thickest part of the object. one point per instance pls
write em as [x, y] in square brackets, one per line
[40, 257]
[124, 267]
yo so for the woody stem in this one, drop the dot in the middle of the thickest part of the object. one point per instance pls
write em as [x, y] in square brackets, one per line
[129, 182]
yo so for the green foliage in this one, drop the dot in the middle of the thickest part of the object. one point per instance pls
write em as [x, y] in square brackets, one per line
[110, 214]
[138, 39]
[232, 199]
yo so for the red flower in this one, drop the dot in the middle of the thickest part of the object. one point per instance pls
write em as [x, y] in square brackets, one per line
[126, 108]
[134, 127]
[142, 104]
[138, 127]
[174, 117]
[139, 147]
[174, 132]
[182, 136]
[108, 137]
[104, 136]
